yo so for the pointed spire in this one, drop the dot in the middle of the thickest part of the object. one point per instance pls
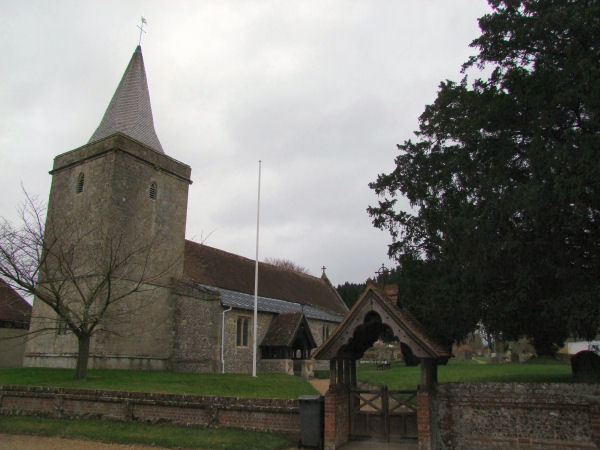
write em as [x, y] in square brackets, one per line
[129, 111]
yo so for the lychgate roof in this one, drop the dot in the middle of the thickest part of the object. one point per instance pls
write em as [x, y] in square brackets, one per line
[213, 267]
[129, 111]
[351, 337]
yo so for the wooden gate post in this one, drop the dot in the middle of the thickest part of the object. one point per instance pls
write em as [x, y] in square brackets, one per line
[385, 412]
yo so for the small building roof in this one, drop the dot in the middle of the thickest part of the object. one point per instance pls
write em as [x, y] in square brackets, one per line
[352, 337]
[13, 307]
[129, 112]
[284, 328]
[216, 268]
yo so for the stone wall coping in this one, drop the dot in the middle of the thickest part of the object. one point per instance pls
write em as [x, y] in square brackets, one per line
[154, 398]
[522, 395]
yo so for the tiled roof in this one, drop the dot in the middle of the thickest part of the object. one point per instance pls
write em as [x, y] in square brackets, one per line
[129, 111]
[241, 300]
[212, 267]
[284, 328]
[13, 308]
[339, 339]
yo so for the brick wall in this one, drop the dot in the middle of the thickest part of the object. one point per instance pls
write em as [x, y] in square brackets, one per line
[257, 414]
[515, 415]
[424, 420]
[337, 418]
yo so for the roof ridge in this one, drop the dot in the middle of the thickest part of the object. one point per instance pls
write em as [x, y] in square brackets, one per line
[308, 275]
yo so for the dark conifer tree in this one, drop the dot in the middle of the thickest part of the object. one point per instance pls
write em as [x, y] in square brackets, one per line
[503, 178]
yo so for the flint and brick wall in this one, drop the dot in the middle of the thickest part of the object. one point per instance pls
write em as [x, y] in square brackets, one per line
[514, 415]
[256, 414]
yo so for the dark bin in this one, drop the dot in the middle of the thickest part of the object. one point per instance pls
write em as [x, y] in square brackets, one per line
[311, 420]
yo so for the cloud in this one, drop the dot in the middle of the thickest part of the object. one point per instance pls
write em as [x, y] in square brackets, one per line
[321, 91]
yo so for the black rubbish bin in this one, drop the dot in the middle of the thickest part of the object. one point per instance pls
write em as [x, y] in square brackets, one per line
[311, 420]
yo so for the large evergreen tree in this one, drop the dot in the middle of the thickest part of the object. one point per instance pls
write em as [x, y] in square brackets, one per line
[503, 179]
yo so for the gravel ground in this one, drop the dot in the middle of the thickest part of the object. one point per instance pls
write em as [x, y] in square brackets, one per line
[26, 442]
[320, 385]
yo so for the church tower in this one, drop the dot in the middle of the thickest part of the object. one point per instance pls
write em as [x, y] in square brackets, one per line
[123, 185]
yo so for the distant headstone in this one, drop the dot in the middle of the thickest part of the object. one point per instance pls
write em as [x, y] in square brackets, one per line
[585, 366]
[464, 354]
[524, 357]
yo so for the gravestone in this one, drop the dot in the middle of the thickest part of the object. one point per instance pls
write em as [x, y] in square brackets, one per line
[585, 366]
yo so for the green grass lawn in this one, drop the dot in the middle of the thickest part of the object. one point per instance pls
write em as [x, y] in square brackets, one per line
[139, 433]
[227, 385]
[474, 371]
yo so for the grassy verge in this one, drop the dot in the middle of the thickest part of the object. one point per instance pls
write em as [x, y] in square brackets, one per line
[226, 385]
[402, 377]
[138, 433]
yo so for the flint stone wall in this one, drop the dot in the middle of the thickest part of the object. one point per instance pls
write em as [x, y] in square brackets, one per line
[516, 415]
[256, 414]
[12, 346]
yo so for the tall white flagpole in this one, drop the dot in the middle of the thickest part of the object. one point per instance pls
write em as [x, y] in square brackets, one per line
[256, 278]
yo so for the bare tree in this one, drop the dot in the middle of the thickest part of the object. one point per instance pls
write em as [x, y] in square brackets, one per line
[286, 264]
[78, 270]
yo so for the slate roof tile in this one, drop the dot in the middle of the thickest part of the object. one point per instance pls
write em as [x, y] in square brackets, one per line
[129, 112]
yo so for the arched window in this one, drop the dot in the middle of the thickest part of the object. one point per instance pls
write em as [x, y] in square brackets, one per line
[153, 191]
[80, 182]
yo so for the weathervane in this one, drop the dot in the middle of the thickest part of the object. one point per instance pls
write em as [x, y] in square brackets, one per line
[141, 27]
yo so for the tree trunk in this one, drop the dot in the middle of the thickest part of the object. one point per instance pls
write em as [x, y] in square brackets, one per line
[544, 346]
[82, 356]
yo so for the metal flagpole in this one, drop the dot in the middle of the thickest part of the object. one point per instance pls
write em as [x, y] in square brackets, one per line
[256, 278]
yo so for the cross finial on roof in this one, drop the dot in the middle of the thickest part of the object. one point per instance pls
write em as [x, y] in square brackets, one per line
[323, 269]
[141, 27]
[381, 270]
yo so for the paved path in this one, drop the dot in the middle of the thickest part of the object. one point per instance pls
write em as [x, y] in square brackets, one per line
[375, 445]
[320, 385]
[27, 442]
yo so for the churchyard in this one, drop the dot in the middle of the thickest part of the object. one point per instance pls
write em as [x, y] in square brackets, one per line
[398, 376]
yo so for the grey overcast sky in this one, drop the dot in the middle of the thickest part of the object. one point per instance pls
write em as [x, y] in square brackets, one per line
[320, 91]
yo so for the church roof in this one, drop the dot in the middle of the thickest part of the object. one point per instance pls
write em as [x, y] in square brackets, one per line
[284, 328]
[13, 307]
[241, 300]
[217, 268]
[129, 111]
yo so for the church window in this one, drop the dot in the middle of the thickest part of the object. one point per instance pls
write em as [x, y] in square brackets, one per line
[153, 191]
[325, 332]
[79, 185]
[242, 332]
